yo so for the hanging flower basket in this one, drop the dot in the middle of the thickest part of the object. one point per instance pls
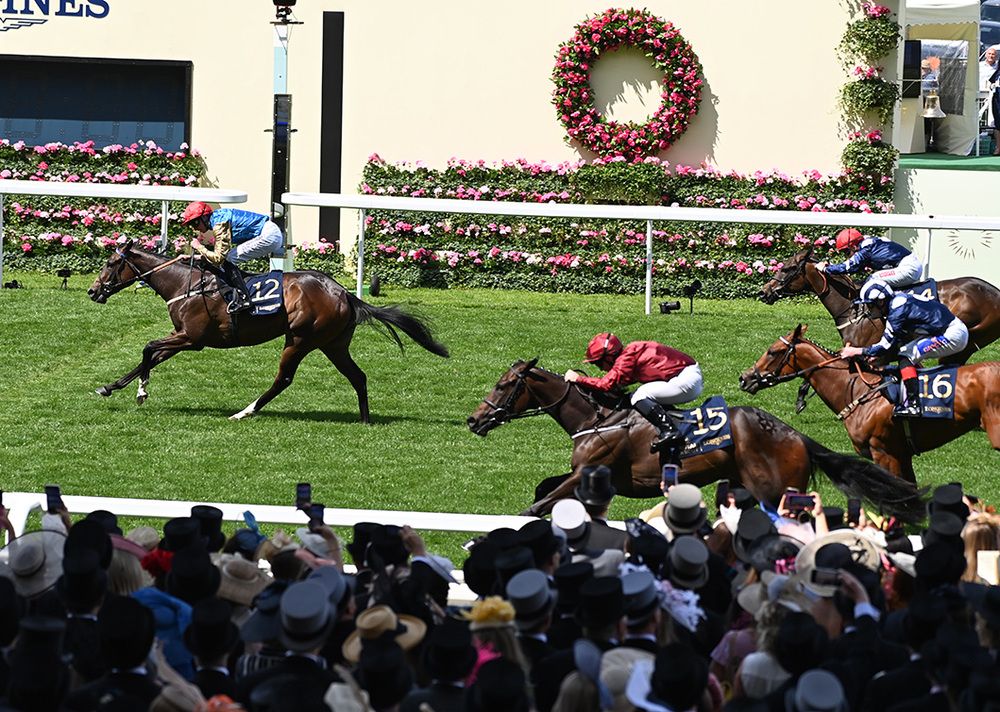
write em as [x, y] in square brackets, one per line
[669, 52]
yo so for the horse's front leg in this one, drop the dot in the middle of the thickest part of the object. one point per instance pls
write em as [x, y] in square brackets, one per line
[154, 353]
[563, 491]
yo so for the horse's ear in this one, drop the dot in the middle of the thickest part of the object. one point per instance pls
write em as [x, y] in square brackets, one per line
[799, 331]
[127, 247]
[530, 364]
[809, 252]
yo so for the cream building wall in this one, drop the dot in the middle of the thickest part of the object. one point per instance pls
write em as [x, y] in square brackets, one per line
[431, 80]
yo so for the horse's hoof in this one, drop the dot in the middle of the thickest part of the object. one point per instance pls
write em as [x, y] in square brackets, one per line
[140, 399]
[103, 391]
[242, 415]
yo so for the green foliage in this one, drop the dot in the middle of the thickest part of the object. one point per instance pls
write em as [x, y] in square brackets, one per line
[869, 39]
[869, 157]
[620, 183]
[874, 95]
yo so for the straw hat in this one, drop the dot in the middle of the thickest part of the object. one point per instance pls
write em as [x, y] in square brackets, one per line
[373, 622]
[33, 561]
[241, 581]
[862, 551]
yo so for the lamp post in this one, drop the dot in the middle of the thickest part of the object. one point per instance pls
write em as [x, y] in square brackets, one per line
[281, 128]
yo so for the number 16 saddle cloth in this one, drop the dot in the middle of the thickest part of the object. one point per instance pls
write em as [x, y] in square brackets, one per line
[937, 390]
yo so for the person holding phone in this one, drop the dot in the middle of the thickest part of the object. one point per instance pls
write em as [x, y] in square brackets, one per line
[667, 377]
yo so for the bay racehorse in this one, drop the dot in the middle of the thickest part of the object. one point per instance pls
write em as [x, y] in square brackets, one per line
[318, 314]
[766, 455]
[974, 301]
[851, 389]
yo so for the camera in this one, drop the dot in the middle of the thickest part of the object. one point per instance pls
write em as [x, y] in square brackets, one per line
[690, 290]
[667, 307]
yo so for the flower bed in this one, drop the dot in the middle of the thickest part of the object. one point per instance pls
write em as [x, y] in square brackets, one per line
[731, 259]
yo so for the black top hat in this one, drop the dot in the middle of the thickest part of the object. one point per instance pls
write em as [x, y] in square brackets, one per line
[743, 498]
[689, 563]
[358, 546]
[387, 547]
[679, 677]
[180, 533]
[449, 654]
[939, 564]
[753, 524]
[90, 534]
[944, 526]
[12, 609]
[512, 561]
[106, 519]
[210, 524]
[595, 485]
[800, 643]
[538, 537]
[38, 674]
[264, 624]
[212, 633]
[126, 629]
[602, 602]
[83, 583]
[504, 537]
[501, 686]
[192, 575]
[569, 578]
[948, 498]
[647, 545]
[383, 672]
[480, 567]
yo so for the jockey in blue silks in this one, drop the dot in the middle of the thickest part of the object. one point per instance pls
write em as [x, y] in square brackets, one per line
[892, 263]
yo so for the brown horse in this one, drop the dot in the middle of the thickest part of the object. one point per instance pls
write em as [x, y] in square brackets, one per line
[974, 301]
[852, 391]
[318, 314]
[766, 455]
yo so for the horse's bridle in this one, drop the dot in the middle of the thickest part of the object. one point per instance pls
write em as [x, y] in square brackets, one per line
[798, 269]
[771, 378]
[106, 288]
[502, 412]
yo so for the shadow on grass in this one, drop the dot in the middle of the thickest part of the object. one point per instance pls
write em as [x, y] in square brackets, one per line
[314, 416]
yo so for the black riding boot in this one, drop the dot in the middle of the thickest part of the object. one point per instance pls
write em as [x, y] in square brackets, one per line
[669, 437]
[911, 407]
[241, 297]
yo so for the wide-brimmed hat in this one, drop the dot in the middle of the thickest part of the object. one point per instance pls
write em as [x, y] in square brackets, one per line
[212, 632]
[859, 550]
[33, 561]
[449, 654]
[305, 615]
[774, 551]
[816, 691]
[377, 620]
[674, 681]
[685, 511]
[313, 543]
[180, 533]
[642, 596]
[145, 536]
[192, 575]
[210, 525]
[569, 578]
[532, 597]
[264, 624]
[570, 517]
[240, 581]
[602, 602]
[753, 524]
[595, 486]
[689, 563]
[480, 567]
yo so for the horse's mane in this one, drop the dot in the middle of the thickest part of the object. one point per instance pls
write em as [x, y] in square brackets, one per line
[862, 363]
[819, 346]
[610, 400]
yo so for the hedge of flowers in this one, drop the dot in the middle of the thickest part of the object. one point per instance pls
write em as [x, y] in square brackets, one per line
[46, 232]
[865, 41]
[669, 52]
[730, 259]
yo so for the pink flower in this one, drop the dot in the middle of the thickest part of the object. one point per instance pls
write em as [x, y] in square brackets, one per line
[26, 246]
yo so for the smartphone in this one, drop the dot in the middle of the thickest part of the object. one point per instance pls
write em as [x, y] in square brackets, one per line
[669, 475]
[722, 494]
[825, 577]
[315, 515]
[853, 510]
[795, 501]
[53, 499]
[303, 494]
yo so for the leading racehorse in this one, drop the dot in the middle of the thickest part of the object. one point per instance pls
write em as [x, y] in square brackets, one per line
[974, 301]
[318, 314]
[766, 455]
[853, 391]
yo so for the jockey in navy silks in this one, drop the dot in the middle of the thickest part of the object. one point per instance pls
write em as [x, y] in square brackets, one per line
[892, 263]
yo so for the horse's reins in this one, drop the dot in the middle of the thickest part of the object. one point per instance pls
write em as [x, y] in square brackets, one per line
[502, 413]
[800, 268]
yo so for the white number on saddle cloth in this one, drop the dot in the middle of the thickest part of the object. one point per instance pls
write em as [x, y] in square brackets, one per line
[272, 285]
[940, 387]
[716, 417]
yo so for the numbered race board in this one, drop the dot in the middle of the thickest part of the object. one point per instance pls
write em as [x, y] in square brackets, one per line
[925, 290]
[937, 391]
[266, 293]
[706, 428]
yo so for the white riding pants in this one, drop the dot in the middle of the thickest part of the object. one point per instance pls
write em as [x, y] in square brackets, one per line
[909, 271]
[685, 386]
[269, 243]
[954, 339]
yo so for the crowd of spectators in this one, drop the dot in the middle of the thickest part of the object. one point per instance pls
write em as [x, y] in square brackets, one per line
[732, 606]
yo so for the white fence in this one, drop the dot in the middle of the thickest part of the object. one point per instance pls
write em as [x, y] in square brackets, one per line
[162, 193]
[650, 214]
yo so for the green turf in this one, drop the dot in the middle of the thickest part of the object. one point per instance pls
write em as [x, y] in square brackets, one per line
[57, 347]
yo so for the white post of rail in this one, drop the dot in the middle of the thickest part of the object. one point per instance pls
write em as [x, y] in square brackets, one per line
[649, 267]
[1, 238]
[361, 253]
[164, 218]
[927, 255]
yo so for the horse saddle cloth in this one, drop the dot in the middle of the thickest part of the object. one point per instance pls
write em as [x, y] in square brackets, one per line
[705, 428]
[266, 293]
[937, 390]
[927, 289]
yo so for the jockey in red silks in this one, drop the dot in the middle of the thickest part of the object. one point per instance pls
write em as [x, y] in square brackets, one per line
[668, 377]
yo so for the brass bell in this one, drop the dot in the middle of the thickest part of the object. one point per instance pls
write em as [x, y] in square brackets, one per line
[932, 107]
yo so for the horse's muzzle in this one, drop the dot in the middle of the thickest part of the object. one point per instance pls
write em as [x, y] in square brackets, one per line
[750, 381]
[768, 296]
[98, 295]
[480, 427]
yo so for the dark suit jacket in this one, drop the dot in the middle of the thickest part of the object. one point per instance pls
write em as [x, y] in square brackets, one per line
[214, 682]
[441, 697]
[141, 688]
[548, 674]
[938, 702]
[649, 646]
[83, 647]
[305, 669]
[603, 536]
[563, 632]
[534, 650]
[900, 685]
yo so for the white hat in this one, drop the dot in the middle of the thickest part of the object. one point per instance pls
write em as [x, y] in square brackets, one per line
[570, 517]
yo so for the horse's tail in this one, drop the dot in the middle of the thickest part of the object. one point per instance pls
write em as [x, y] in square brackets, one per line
[393, 317]
[865, 480]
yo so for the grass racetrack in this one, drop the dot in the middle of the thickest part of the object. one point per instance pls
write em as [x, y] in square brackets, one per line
[56, 347]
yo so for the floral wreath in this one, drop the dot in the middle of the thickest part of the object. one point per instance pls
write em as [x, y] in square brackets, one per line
[670, 53]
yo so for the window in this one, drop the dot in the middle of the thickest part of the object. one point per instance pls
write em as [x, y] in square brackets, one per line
[65, 99]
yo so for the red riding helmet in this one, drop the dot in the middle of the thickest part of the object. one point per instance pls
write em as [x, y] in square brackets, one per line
[604, 344]
[848, 238]
[194, 211]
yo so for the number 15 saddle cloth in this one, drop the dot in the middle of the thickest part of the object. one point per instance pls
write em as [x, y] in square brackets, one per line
[704, 428]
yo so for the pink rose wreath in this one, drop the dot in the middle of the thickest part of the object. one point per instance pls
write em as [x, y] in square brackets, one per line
[669, 52]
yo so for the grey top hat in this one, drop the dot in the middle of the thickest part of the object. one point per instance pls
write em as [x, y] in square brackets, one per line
[688, 563]
[816, 691]
[531, 596]
[685, 512]
[641, 596]
[305, 616]
[754, 524]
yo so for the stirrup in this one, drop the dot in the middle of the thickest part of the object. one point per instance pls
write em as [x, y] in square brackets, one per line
[238, 305]
[667, 441]
[908, 411]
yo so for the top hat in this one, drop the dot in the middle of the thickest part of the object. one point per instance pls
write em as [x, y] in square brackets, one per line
[834, 517]
[383, 673]
[685, 512]
[602, 602]
[126, 629]
[512, 561]
[387, 546]
[358, 545]
[449, 654]
[537, 535]
[642, 596]
[106, 519]
[816, 691]
[180, 533]
[373, 622]
[939, 564]
[90, 534]
[753, 524]
[944, 526]
[647, 545]
[264, 624]
[210, 522]
[570, 517]
[532, 597]
[800, 643]
[948, 498]
[240, 581]
[674, 680]
[774, 551]
[480, 567]
[333, 580]
[83, 583]
[192, 575]
[569, 578]
[595, 485]
[504, 537]
[33, 561]
[212, 632]
[743, 498]
[689, 563]
[305, 615]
